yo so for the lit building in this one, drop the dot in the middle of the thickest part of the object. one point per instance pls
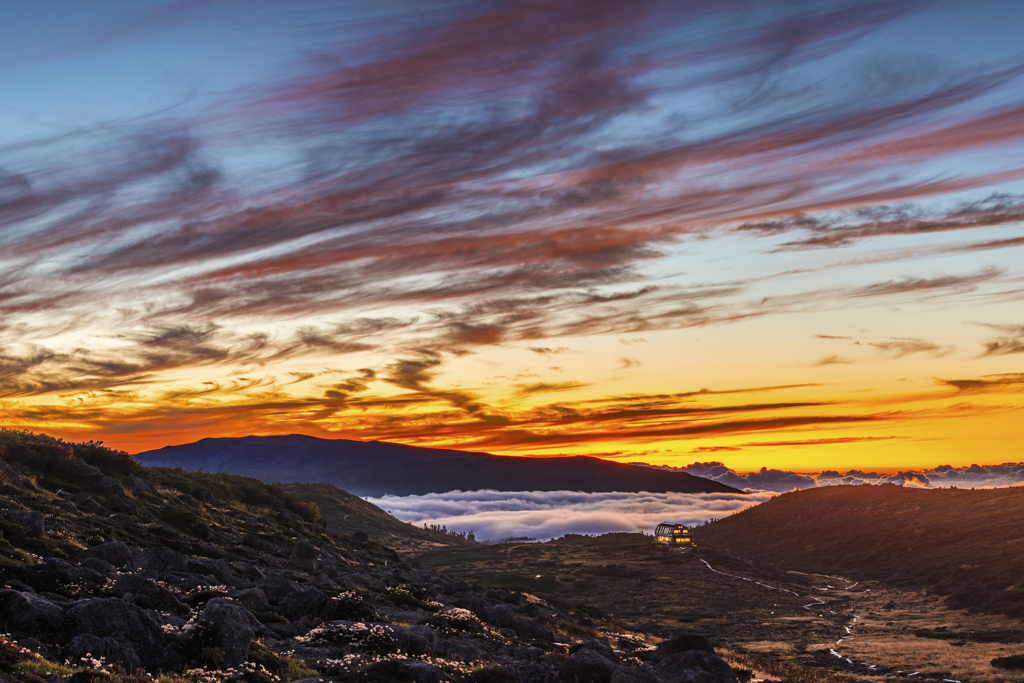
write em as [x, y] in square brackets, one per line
[673, 534]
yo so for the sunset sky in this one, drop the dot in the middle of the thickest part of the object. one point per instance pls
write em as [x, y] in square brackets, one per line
[764, 233]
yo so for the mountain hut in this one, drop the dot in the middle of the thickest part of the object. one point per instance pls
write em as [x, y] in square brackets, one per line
[673, 535]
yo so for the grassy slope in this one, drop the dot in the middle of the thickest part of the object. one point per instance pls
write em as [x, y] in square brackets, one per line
[345, 513]
[966, 544]
[630, 577]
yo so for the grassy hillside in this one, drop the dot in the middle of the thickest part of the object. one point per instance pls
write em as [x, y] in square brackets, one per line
[345, 513]
[968, 545]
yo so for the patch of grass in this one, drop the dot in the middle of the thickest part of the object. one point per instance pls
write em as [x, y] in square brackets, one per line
[577, 630]
[286, 668]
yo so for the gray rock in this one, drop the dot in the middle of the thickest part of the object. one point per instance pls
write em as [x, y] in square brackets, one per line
[304, 556]
[537, 673]
[109, 486]
[130, 625]
[87, 504]
[587, 666]
[116, 503]
[276, 587]
[253, 541]
[205, 496]
[112, 651]
[501, 616]
[413, 672]
[220, 569]
[684, 642]
[637, 674]
[460, 649]
[138, 484]
[602, 647]
[114, 552]
[158, 560]
[71, 573]
[695, 666]
[529, 630]
[287, 517]
[147, 593]
[233, 627]
[30, 519]
[307, 601]
[253, 599]
[20, 586]
[28, 612]
[97, 565]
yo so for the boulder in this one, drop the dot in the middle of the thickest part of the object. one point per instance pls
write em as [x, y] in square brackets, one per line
[501, 616]
[109, 486]
[233, 627]
[219, 569]
[87, 647]
[253, 541]
[304, 556]
[684, 642]
[276, 587]
[30, 519]
[636, 674]
[159, 559]
[695, 666]
[147, 593]
[138, 484]
[536, 673]
[87, 504]
[308, 601]
[71, 573]
[116, 503]
[287, 517]
[28, 612]
[460, 649]
[114, 552]
[205, 496]
[587, 666]
[253, 599]
[398, 671]
[602, 647]
[97, 565]
[130, 625]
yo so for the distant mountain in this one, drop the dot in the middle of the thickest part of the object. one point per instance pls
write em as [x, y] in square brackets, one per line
[966, 544]
[377, 468]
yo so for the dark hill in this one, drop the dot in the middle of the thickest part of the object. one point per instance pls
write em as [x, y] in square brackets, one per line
[111, 572]
[344, 514]
[968, 545]
[377, 468]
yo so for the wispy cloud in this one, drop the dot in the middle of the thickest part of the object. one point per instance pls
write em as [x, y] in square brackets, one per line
[501, 176]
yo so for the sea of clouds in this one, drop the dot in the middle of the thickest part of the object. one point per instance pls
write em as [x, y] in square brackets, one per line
[497, 515]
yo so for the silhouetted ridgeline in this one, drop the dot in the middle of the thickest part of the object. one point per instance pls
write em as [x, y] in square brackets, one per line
[966, 544]
[376, 468]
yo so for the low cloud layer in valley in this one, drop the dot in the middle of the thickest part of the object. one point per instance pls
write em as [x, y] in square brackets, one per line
[781, 481]
[495, 515]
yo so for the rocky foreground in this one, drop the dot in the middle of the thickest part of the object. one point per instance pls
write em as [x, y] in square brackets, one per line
[112, 571]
